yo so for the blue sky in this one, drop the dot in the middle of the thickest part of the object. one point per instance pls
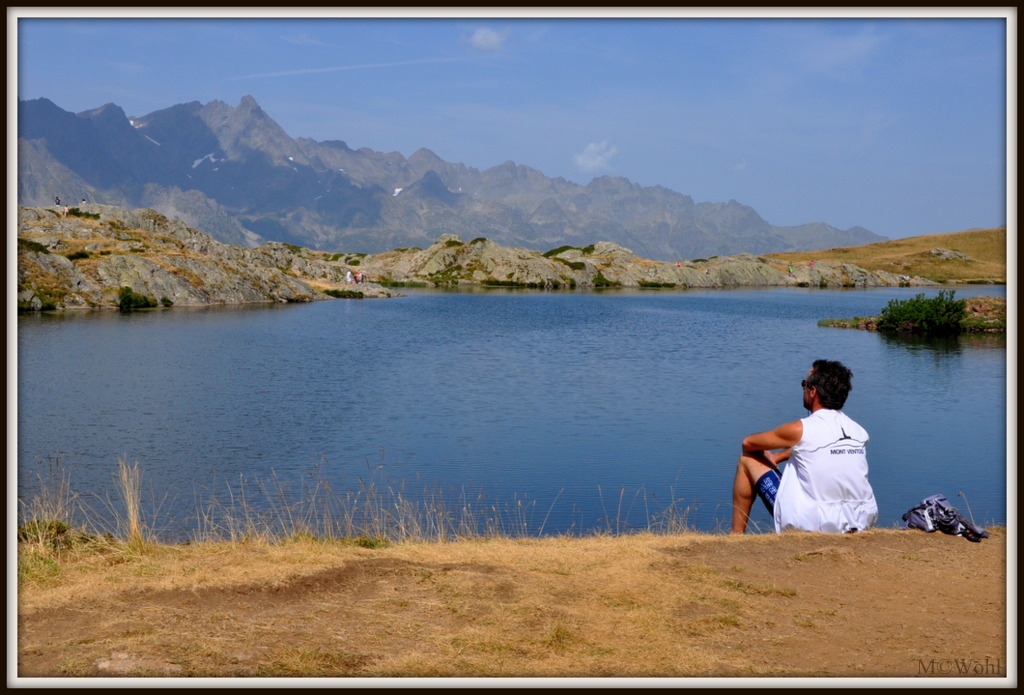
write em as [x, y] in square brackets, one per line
[894, 124]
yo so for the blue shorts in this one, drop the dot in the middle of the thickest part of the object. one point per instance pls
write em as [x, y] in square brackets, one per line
[767, 488]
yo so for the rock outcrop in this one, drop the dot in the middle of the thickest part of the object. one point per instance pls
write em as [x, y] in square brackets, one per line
[83, 260]
[450, 261]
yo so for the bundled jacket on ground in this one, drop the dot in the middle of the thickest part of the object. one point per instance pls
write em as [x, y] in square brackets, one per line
[935, 513]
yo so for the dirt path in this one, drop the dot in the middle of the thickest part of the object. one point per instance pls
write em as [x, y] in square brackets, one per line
[882, 603]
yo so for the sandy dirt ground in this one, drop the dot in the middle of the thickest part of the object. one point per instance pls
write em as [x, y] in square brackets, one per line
[885, 603]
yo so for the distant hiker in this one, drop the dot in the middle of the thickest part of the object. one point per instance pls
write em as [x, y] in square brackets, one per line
[348, 277]
[790, 271]
[65, 211]
[56, 201]
[83, 201]
[812, 264]
[824, 486]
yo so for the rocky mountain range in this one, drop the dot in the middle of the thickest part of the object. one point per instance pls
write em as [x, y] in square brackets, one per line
[235, 174]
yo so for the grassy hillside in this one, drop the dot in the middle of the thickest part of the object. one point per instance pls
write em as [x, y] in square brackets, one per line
[985, 250]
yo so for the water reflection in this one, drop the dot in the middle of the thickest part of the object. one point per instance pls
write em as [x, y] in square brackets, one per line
[944, 344]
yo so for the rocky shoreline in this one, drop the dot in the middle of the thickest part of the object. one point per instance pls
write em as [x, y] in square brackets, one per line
[82, 260]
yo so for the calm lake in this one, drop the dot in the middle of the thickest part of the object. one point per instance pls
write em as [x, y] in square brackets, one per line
[571, 411]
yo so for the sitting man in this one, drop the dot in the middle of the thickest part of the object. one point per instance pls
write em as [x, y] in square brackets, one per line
[824, 486]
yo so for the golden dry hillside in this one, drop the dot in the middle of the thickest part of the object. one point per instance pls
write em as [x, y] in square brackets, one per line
[925, 256]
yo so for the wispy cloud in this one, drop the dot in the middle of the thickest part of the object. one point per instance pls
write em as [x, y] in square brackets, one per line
[596, 156]
[343, 68]
[304, 39]
[126, 68]
[486, 39]
[840, 56]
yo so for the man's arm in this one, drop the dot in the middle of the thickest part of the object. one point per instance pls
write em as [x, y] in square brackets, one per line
[782, 437]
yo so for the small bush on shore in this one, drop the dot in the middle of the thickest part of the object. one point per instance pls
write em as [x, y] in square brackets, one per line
[50, 533]
[344, 294]
[601, 281]
[939, 315]
[401, 283]
[128, 299]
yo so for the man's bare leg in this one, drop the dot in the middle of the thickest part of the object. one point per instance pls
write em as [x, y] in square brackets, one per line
[749, 470]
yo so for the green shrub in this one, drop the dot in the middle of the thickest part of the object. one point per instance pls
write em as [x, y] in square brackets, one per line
[50, 533]
[479, 240]
[44, 305]
[940, 315]
[453, 242]
[75, 212]
[371, 542]
[167, 301]
[77, 255]
[575, 265]
[448, 276]
[344, 294]
[602, 281]
[551, 284]
[49, 299]
[555, 252]
[128, 299]
[387, 282]
[30, 245]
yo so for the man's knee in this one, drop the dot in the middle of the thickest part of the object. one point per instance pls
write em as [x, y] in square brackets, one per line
[754, 464]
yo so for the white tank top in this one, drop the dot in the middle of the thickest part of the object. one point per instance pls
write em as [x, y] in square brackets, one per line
[824, 483]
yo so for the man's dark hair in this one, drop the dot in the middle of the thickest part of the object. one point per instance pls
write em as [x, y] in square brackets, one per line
[833, 382]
